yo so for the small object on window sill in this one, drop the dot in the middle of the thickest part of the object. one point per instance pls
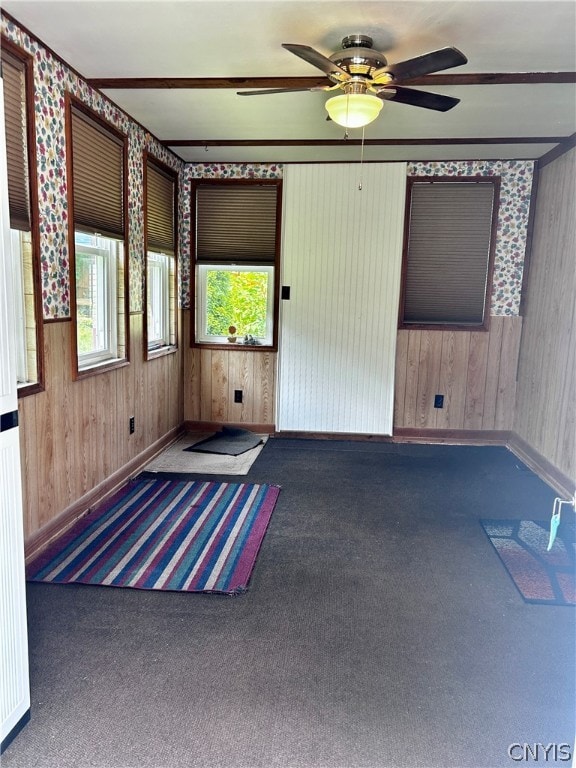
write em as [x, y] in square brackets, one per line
[250, 340]
[232, 339]
[232, 331]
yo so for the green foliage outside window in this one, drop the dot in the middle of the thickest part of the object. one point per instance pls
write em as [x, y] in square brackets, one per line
[236, 298]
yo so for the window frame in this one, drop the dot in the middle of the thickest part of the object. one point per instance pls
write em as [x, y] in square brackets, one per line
[169, 343]
[203, 269]
[448, 325]
[89, 360]
[163, 341]
[27, 61]
[254, 266]
[122, 309]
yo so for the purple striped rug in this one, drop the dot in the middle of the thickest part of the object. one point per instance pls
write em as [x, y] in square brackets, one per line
[167, 535]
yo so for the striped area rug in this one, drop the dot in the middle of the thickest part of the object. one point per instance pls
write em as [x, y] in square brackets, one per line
[167, 535]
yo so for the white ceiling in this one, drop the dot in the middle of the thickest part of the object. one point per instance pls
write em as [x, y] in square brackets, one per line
[236, 39]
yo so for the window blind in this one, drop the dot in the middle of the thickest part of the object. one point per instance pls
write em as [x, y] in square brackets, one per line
[236, 223]
[160, 200]
[98, 176]
[448, 254]
[14, 77]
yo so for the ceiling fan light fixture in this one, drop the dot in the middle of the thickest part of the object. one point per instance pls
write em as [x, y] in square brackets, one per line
[354, 110]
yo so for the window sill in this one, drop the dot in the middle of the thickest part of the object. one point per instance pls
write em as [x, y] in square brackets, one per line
[105, 367]
[152, 354]
[444, 327]
[24, 390]
[234, 347]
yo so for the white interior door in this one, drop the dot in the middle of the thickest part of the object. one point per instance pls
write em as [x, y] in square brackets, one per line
[14, 684]
[341, 258]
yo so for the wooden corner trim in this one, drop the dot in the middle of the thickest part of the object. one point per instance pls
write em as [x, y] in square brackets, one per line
[546, 471]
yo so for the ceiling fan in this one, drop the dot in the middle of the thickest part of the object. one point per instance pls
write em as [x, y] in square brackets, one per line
[367, 79]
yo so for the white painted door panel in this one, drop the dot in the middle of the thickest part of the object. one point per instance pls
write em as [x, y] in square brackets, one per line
[341, 257]
[14, 684]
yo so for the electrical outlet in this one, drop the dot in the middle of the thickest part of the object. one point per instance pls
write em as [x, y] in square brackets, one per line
[132, 425]
[438, 401]
[237, 395]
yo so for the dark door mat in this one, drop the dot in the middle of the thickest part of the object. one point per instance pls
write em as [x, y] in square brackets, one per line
[231, 441]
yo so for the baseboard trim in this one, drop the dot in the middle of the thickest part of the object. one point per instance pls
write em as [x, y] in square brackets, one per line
[216, 426]
[412, 435]
[41, 538]
[561, 483]
[359, 437]
[452, 436]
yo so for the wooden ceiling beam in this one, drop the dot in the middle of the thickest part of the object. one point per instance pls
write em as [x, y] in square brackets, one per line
[348, 142]
[215, 83]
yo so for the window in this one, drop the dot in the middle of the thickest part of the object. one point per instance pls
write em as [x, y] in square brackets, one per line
[158, 299]
[236, 249]
[235, 296]
[449, 252]
[99, 296]
[96, 319]
[161, 304]
[17, 76]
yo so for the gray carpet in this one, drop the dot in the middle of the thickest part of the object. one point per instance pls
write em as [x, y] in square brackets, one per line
[380, 631]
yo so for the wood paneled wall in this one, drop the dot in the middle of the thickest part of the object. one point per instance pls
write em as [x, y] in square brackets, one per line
[212, 375]
[75, 434]
[474, 370]
[546, 402]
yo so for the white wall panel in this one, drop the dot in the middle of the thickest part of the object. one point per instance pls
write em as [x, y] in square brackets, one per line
[341, 257]
[14, 675]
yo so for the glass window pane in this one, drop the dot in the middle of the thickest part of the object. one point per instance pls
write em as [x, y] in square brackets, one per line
[239, 298]
[158, 318]
[19, 307]
[96, 299]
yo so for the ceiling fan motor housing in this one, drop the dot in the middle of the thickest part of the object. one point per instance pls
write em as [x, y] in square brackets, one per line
[357, 57]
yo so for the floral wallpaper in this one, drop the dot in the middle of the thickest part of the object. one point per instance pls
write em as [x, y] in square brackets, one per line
[53, 79]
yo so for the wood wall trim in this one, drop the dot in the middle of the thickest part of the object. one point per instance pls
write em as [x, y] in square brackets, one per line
[564, 146]
[41, 538]
[409, 435]
[216, 426]
[452, 436]
[218, 83]
[400, 142]
[565, 485]
[363, 438]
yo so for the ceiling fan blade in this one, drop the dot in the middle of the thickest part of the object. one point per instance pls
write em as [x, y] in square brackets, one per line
[418, 98]
[284, 90]
[435, 61]
[317, 60]
[275, 90]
